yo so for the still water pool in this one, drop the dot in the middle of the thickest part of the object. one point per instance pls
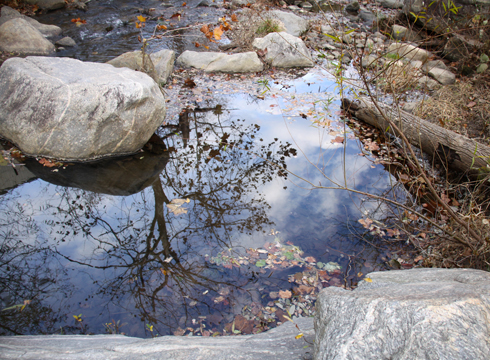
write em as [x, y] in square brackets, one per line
[218, 226]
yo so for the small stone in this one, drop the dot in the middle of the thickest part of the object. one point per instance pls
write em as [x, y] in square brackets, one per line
[352, 7]
[66, 42]
[428, 83]
[445, 77]
[392, 4]
[399, 32]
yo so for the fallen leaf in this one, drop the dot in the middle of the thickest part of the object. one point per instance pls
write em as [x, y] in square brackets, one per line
[338, 140]
[471, 104]
[234, 18]
[369, 280]
[141, 18]
[218, 31]
[310, 259]
[299, 336]
[286, 294]
[189, 83]
[418, 258]
[46, 162]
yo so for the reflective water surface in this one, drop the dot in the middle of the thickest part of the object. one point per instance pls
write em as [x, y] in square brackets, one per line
[216, 227]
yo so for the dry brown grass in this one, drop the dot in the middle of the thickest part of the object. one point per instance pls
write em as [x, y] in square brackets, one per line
[463, 107]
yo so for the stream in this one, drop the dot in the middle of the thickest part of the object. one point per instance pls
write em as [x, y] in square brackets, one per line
[218, 226]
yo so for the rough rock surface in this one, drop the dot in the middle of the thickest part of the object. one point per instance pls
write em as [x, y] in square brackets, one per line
[219, 62]
[445, 77]
[134, 60]
[48, 4]
[407, 314]
[279, 343]
[408, 51]
[163, 61]
[17, 35]
[66, 41]
[392, 4]
[293, 24]
[47, 30]
[68, 109]
[284, 50]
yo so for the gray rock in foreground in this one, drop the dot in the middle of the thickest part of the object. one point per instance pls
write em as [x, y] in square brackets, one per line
[279, 343]
[408, 314]
[68, 109]
[284, 50]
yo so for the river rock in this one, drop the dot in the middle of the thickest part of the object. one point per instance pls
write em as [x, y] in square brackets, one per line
[163, 61]
[48, 4]
[426, 82]
[47, 30]
[445, 77]
[68, 109]
[17, 35]
[278, 343]
[284, 50]
[408, 51]
[134, 60]
[293, 24]
[434, 64]
[392, 4]
[219, 62]
[352, 7]
[406, 314]
[66, 42]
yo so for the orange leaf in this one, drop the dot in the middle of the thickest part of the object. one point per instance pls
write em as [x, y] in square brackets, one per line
[161, 27]
[176, 15]
[138, 25]
[205, 29]
[217, 33]
[184, 4]
[207, 47]
[286, 294]
[46, 162]
[234, 18]
[141, 18]
[196, 44]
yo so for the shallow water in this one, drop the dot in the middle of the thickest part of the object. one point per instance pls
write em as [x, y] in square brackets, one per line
[102, 242]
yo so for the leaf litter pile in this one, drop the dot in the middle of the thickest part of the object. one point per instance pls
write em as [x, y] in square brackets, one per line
[276, 306]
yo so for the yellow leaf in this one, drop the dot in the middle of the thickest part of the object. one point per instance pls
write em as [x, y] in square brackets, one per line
[217, 33]
[141, 18]
[288, 318]
[368, 279]
[299, 336]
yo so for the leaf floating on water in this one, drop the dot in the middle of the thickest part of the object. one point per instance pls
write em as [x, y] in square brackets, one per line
[369, 280]
[299, 336]
[260, 263]
[286, 294]
[175, 206]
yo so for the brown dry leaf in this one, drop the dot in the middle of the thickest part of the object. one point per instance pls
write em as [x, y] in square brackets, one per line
[234, 18]
[338, 140]
[217, 32]
[243, 325]
[418, 258]
[372, 146]
[471, 104]
[303, 289]
[310, 259]
[179, 332]
[366, 223]
[46, 162]
[286, 294]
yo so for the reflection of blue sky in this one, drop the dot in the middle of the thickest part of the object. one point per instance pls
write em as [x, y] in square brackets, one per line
[310, 218]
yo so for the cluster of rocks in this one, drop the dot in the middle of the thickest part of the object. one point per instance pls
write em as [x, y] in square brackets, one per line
[22, 34]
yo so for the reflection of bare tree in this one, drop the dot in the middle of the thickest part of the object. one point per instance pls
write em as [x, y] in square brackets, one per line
[156, 258]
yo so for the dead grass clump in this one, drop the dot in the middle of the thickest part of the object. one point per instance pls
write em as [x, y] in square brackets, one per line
[463, 107]
[398, 78]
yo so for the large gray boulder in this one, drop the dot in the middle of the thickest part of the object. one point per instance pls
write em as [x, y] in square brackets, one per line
[278, 343]
[293, 24]
[219, 62]
[17, 35]
[47, 30]
[283, 50]
[407, 314]
[68, 109]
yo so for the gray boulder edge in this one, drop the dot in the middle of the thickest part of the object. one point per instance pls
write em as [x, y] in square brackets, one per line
[408, 314]
[293, 24]
[278, 343]
[219, 62]
[71, 110]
